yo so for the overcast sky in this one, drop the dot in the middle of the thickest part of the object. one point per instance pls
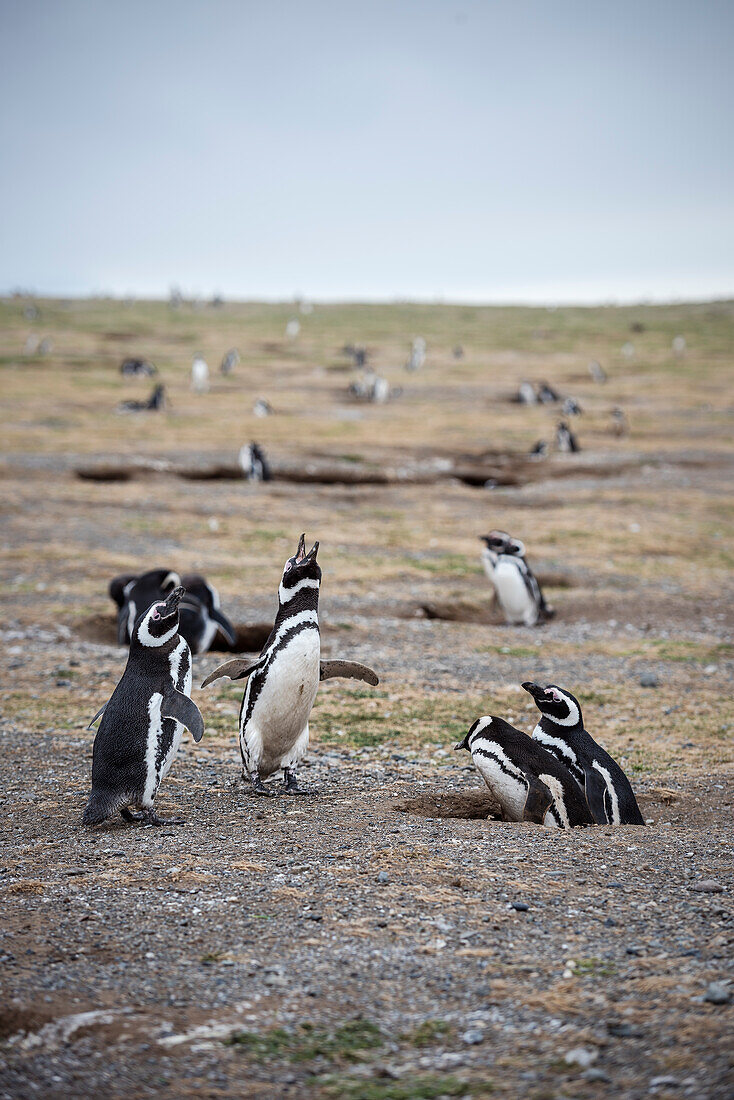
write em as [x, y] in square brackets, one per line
[473, 150]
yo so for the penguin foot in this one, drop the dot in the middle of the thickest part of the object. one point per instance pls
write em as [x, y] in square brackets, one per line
[131, 815]
[258, 787]
[290, 784]
[150, 817]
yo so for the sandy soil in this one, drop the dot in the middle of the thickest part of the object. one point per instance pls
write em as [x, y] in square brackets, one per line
[385, 937]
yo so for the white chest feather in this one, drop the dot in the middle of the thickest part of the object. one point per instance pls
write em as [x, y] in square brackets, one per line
[517, 603]
[279, 715]
[505, 781]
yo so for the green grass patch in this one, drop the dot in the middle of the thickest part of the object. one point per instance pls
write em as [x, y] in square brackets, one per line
[430, 1031]
[306, 1042]
[420, 1087]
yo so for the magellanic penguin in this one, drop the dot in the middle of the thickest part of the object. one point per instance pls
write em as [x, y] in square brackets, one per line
[253, 463]
[282, 685]
[514, 582]
[561, 732]
[134, 593]
[528, 783]
[566, 441]
[143, 722]
[200, 615]
[155, 402]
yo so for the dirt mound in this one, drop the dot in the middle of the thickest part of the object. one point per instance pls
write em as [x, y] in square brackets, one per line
[472, 805]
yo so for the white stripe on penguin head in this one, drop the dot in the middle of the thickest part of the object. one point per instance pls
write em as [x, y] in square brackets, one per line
[146, 638]
[574, 714]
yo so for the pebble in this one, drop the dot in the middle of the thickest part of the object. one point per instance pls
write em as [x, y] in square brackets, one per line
[383, 877]
[664, 1083]
[707, 886]
[472, 1037]
[580, 1056]
[718, 993]
[520, 906]
[649, 680]
[313, 916]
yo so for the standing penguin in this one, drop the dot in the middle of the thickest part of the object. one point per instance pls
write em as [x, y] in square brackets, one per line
[283, 683]
[528, 783]
[133, 594]
[199, 374]
[253, 463]
[517, 588]
[143, 722]
[200, 615]
[566, 441]
[561, 731]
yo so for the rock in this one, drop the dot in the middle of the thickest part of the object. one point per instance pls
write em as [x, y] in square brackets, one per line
[718, 993]
[383, 877]
[473, 1036]
[596, 1075]
[313, 916]
[520, 906]
[664, 1083]
[649, 680]
[707, 886]
[580, 1056]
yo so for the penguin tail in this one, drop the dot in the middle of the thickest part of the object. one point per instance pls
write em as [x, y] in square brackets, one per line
[101, 806]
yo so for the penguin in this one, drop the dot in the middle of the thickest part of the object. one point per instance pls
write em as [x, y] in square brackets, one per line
[565, 439]
[134, 366]
[547, 395]
[540, 450]
[133, 593]
[282, 685]
[571, 407]
[561, 732]
[620, 426]
[143, 722]
[230, 360]
[262, 408]
[155, 402]
[528, 783]
[199, 375]
[597, 372]
[253, 463]
[526, 394]
[200, 616]
[517, 588]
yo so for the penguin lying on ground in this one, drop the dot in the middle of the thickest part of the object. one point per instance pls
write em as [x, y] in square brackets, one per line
[200, 614]
[137, 367]
[561, 732]
[155, 402]
[253, 463]
[528, 783]
[143, 722]
[283, 683]
[514, 582]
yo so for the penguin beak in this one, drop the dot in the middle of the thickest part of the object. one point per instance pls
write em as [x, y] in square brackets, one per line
[311, 555]
[170, 607]
[535, 690]
[301, 551]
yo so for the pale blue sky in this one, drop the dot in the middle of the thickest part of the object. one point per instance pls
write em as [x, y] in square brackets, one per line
[535, 151]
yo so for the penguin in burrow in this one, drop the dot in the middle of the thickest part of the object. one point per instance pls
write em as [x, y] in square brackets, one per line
[516, 586]
[561, 731]
[134, 593]
[528, 782]
[201, 616]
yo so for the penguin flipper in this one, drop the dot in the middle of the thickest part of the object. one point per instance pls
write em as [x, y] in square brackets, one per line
[99, 714]
[178, 706]
[538, 802]
[236, 670]
[224, 625]
[595, 789]
[350, 670]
